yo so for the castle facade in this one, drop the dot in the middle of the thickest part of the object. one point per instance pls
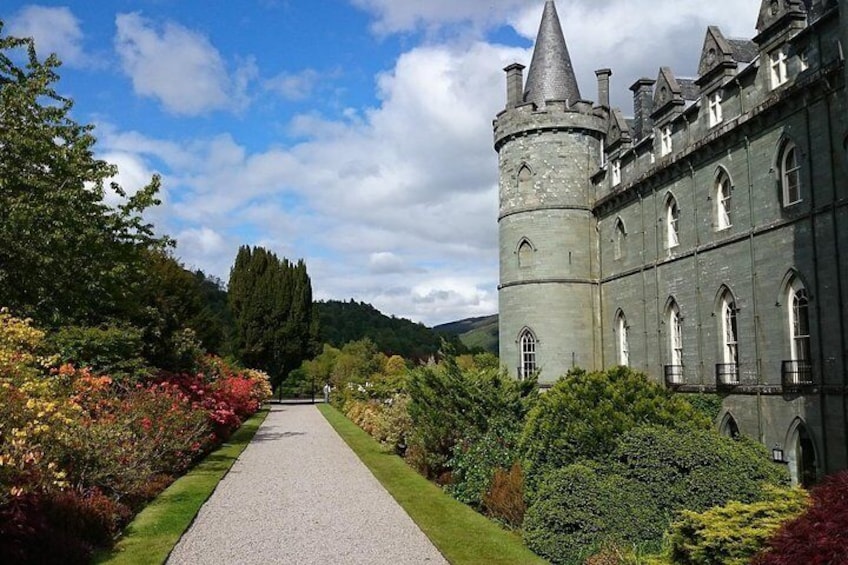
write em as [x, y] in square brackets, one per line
[700, 240]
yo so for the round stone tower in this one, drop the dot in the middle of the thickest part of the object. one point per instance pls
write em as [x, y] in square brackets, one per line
[549, 144]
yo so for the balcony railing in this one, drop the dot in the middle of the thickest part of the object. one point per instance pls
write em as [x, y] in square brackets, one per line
[727, 375]
[673, 375]
[797, 375]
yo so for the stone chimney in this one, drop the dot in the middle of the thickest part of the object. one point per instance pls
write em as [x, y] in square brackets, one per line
[603, 87]
[514, 85]
[643, 106]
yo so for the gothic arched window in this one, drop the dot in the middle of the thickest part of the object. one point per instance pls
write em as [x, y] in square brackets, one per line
[723, 201]
[527, 345]
[672, 223]
[622, 339]
[619, 239]
[799, 321]
[525, 179]
[526, 255]
[790, 174]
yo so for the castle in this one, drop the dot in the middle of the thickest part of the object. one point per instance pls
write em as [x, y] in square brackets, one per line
[699, 241]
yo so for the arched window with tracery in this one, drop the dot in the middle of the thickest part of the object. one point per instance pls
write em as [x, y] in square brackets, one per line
[727, 370]
[527, 345]
[798, 370]
[674, 323]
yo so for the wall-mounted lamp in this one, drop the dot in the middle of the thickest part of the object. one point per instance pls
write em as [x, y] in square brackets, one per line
[777, 454]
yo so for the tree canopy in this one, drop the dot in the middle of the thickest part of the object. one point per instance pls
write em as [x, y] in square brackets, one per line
[65, 255]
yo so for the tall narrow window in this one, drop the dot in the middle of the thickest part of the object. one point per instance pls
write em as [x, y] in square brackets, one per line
[723, 201]
[616, 172]
[526, 255]
[777, 64]
[525, 179]
[715, 109]
[672, 219]
[790, 174]
[675, 336]
[622, 339]
[527, 343]
[665, 141]
[799, 322]
[729, 330]
[619, 239]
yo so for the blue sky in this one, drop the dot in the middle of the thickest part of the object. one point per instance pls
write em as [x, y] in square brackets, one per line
[355, 134]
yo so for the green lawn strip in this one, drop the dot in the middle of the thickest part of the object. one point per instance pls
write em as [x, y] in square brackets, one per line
[462, 535]
[152, 535]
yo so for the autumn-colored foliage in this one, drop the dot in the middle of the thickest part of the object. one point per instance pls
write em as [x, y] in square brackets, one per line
[80, 452]
[819, 536]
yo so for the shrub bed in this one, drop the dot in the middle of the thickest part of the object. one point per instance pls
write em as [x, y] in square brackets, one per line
[81, 452]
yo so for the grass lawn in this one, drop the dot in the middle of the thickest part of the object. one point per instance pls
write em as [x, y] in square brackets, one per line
[157, 529]
[462, 535]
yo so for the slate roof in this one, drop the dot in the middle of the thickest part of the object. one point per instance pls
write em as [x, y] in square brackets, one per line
[551, 76]
[743, 50]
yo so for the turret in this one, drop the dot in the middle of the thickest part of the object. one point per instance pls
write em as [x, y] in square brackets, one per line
[549, 145]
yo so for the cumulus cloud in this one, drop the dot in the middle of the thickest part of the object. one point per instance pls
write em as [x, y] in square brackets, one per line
[397, 204]
[179, 67]
[54, 29]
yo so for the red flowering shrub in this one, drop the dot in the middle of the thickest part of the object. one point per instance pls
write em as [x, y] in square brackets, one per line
[819, 536]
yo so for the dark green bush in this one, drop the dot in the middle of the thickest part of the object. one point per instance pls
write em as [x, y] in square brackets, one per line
[475, 461]
[734, 533]
[448, 404]
[116, 351]
[584, 413]
[694, 469]
[578, 510]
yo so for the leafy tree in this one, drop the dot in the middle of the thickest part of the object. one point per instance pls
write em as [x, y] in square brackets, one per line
[271, 302]
[584, 413]
[65, 255]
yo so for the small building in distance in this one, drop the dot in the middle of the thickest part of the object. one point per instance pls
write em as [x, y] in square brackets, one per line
[704, 240]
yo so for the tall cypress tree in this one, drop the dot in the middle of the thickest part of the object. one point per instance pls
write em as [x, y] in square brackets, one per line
[271, 301]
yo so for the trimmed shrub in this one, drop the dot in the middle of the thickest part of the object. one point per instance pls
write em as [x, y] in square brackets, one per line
[584, 413]
[694, 469]
[578, 511]
[819, 536]
[734, 533]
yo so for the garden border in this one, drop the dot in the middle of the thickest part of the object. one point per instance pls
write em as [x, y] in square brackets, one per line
[157, 529]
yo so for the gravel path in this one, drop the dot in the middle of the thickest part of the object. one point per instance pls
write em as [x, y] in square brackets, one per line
[299, 495]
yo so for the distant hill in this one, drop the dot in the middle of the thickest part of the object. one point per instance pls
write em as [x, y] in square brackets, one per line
[343, 322]
[474, 333]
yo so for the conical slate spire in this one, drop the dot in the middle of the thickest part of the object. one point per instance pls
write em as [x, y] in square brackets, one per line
[551, 75]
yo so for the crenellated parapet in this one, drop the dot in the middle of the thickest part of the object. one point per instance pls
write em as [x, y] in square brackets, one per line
[556, 116]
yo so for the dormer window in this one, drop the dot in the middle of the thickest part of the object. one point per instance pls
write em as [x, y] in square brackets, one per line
[665, 141]
[616, 172]
[777, 64]
[715, 109]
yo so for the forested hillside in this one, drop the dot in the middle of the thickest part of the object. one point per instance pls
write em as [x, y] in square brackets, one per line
[474, 333]
[343, 322]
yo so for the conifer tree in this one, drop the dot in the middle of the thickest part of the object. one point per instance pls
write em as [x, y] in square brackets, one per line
[271, 302]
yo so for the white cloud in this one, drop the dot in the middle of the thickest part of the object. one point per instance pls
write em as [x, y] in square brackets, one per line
[294, 86]
[179, 67]
[133, 175]
[393, 16]
[397, 204]
[55, 30]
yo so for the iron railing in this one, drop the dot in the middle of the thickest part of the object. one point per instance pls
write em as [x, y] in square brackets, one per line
[796, 374]
[727, 375]
[673, 375]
